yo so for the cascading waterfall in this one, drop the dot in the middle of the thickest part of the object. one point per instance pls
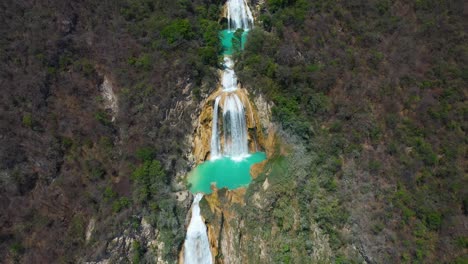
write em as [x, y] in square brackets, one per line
[197, 246]
[234, 121]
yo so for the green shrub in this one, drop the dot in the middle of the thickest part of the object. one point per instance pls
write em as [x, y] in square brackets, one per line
[103, 118]
[149, 179]
[143, 62]
[146, 153]
[179, 29]
[424, 149]
[95, 169]
[137, 10]
[138, 252]
[109, 194]
[377, 228]
[121, 203]
[209, 55]
[76, 230]
[17, 249]
[462, 242]
[433, 220]
[27, 120]
[66, 142]
[374, 165]
[331, 185]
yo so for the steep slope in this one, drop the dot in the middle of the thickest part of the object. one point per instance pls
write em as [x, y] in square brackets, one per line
[97, 102]
[100, 100]
[375, 91]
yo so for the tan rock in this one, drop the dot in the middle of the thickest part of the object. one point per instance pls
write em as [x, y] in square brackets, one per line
[257, 168]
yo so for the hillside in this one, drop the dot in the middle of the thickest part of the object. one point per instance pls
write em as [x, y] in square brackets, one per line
[101, 101]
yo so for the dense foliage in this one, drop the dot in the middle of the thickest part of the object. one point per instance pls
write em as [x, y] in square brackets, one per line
[373, 92]
[65, 158]
[377, 92]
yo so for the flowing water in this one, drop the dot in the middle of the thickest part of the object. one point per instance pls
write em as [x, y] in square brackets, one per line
[239, 15]
[235, 127]
[215, 147]
[197, 246]
[230, 161]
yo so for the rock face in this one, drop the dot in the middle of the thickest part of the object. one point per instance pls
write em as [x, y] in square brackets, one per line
[224, 225]
[108, 94]
[122, 248]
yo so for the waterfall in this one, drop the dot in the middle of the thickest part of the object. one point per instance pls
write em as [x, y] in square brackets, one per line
[197, 246]
[235, 128]
[234, 120]
[214, 131]
[229, 78]
[239, 15]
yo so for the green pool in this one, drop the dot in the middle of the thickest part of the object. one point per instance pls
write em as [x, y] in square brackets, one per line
[227, 37]
[223, 172]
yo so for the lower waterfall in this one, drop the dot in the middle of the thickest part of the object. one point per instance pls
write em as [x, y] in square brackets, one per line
[197, 246]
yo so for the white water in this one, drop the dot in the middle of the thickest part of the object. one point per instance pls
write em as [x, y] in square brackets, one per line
[215, 148]
[239, 15]
[234, 121]
[197, 246]
[229, 78]
[235, 128]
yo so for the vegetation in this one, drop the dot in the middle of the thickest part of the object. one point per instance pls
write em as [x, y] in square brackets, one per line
[385, 131]
[66, 154]
[370, 96]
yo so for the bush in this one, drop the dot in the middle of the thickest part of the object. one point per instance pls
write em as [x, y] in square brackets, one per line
[146, 153]
[462, 242]
[16, 250]
[433, 220]
[178, 30]
[143, 62]
[103, 118]
[424, 149]
[95, 169]
[27, 120]
[138, 252]
[150, 179]
[121, 203]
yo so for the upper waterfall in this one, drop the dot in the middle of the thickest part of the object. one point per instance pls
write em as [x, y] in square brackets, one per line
[239, 15]
[233, 123]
